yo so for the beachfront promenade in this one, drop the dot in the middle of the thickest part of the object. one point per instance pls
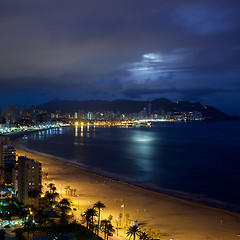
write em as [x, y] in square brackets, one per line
[80, 202]
[175, 218]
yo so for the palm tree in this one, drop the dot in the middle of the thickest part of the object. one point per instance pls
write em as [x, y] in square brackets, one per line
[127, 218]
[106, 227]
[110, 217]
[99, 205]
[74, 191]
[54, 189]
[88, 217]
[120, 217]
[110, 229]
[64, 202]
[142, 235]
[48, 196]
[51, 196]
[41, 219]
[29, 226]
[55, 195]
[50, 186]
[67, 189]
[132, 231]
[64, 206]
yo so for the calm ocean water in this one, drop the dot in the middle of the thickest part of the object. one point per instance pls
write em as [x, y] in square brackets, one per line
[194, 160]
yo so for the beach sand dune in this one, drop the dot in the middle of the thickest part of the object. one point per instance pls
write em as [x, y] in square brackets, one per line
[175, 218]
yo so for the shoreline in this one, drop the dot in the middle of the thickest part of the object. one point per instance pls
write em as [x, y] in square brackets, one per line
[194, 198]
[175, 217]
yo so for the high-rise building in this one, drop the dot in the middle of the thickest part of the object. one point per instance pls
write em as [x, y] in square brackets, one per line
[25, 115]
[90, 116]
[33, 114]
[9, 159]
[9, 114]
[76, 115]
[24, 112]
[15, 178]
[13, 114]
[29, 181]
[0, 113]
[1, 163]
[149, 108]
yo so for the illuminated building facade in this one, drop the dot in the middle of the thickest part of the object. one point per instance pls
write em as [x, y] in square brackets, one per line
[90, 116]
[0, 113]
[33, 114]
[29, 181]
[7, 160]
[13, 114]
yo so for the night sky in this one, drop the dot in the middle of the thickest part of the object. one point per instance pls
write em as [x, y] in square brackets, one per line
[112, 49]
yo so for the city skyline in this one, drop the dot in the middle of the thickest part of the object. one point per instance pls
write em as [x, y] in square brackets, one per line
[139, 50]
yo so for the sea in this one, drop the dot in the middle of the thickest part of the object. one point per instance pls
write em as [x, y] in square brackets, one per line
[199, 160]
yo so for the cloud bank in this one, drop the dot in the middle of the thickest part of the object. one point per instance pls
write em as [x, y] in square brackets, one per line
[116, 49]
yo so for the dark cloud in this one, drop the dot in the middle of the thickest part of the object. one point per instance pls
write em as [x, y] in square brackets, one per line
[188, 93]
[120, 48]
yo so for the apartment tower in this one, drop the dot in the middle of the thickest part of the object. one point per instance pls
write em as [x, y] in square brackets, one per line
[29, 181]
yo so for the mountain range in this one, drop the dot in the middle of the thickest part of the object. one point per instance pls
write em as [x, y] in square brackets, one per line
[130, 106]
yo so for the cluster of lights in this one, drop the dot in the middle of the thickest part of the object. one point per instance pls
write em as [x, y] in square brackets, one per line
[10, 130]
[110, 123]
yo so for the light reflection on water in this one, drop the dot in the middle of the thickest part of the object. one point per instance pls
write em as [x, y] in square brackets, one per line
[192, 157]
[76, 131]
[84, 132]
[142, 149]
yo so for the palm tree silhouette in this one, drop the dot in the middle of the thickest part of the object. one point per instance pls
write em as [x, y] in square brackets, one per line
[65, 206]
[106, 227]
[99, 205]
[120, 217]
[88, 217]
[142, 235]
[28, 226]
[67, 189]
[41, 219]
[132, 231]
[50, 186]
[74, 191]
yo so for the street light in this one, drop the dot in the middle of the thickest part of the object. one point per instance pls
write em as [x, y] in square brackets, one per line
[60, 189]
[117, 224]
[78, 200]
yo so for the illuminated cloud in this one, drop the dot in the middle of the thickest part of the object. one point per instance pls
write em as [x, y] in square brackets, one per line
[105, 49]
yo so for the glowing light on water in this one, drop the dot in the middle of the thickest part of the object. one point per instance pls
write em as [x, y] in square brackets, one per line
[141, 139]
[141, 136]
[142, 149]
[76, 131]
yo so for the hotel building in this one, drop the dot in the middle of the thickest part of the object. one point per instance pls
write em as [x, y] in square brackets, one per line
[29, 181]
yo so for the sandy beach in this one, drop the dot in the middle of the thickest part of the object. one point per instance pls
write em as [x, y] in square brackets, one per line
[175, 218]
